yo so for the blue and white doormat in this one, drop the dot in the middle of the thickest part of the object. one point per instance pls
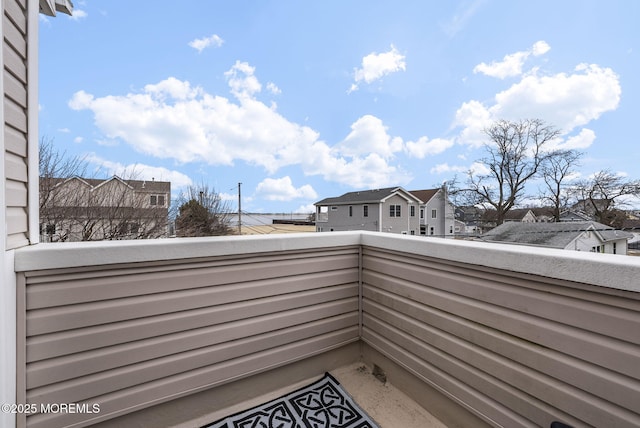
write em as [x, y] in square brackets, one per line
[323, 404]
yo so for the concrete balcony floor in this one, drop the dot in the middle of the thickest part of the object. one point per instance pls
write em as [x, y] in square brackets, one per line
[383, 401]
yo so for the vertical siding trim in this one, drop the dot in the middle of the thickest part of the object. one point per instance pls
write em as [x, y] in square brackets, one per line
[32, 122]
[3, 148]
[21, 346]
[360, 292]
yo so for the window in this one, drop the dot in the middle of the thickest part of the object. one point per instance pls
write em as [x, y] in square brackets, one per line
[350, 211]
[334, 208]
[421, 213]
[434, 213]
[413, 211]
[365, 211]
[156, 200]
[431, 230]
[394, 210]
[614, 248]
[153, 200]
[161, 200]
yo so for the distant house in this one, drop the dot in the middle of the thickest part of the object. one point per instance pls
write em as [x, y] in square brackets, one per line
[574, 215]
[391, 209]
[86, 209]
[576, 236]
[437, 213]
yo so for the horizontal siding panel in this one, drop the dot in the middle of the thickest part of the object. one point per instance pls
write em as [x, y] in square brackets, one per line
[15, 141]
[72, 288]
[503, 291]
[109, 311]
[589, 377]
[15, 168]
[17, 222]
[140, 396]
[601, 350]
[15, 89]
[89, 338]
[81, 388]
[15, 115]
[541, 350]
[16, 193]
[146, 333]
[15, 63]
[14, 36]
[508, 378]
[16, 12]
[488, 406]
[81, 364]
[17, 240]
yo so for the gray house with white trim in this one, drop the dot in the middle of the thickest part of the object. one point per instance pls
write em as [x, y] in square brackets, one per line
[392, 210]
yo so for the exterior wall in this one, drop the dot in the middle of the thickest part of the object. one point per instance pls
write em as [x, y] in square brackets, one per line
[517, 350]
[339, 219]
[15, 121]
[443, 226]
[130, 335]
[517, 336]
[403, 224]
[14, 175]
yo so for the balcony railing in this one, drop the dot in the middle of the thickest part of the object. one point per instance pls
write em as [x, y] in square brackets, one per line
[497, 335]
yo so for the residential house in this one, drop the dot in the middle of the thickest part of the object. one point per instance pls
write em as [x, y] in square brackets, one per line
[437, 213]
[576, 236]
[86, 209]
[392, 210]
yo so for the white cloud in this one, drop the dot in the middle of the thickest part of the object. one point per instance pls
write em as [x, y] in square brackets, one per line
[368, 135]
[242, 81]
[583, 140]
[446, 168]
[78, 140]
[511, 64]
[282, 189]
[564, 100]
[174, 120]
[309, 208]
[375, 66]
[140, 171]
[425, 147]
[78, 14]
[201, 44]
[271, 87]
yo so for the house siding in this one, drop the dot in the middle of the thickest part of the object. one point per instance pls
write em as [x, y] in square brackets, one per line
[520, 350]
[15, 122]
[131, 336]
[405, 223]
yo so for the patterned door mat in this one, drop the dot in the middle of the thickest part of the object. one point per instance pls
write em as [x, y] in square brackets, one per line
[322, 404]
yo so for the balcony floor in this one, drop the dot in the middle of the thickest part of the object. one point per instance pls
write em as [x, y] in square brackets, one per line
[385, 403]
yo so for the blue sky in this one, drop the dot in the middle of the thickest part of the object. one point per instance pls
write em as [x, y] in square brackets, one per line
[302, 100]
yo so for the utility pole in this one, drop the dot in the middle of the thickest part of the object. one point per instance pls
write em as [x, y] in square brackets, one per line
[239, 209]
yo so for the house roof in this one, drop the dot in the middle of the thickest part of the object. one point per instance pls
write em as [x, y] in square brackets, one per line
[554, 235]
[424, 195]
[139, 185]
[366, 196]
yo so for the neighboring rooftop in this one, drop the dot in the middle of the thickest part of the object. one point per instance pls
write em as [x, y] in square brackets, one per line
[554, 235]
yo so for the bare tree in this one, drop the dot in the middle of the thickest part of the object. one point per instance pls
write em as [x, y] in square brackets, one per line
[74, 207]
[603, 196]
[201, 211]
[556, 171]
[515, 153]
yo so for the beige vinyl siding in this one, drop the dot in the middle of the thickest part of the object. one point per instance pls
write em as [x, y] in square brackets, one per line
[521, 350]
[14, 50]
[131, 336]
